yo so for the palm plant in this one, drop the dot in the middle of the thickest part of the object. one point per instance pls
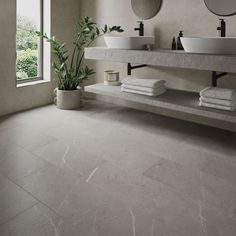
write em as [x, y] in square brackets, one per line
[69, 69]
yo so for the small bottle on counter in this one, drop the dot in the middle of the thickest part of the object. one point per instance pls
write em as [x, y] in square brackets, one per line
[173, 45]
[179, 44]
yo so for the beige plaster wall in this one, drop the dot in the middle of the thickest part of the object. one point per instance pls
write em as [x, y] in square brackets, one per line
[191, 16]
[64, 15]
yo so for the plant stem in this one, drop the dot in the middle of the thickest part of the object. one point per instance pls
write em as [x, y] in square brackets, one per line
[73, 56]
[82, 56]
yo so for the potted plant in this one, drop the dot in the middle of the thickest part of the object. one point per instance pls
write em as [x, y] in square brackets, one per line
[69, 69]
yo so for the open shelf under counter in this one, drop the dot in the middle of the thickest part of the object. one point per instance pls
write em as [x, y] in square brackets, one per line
[165, 58]
[174, 103]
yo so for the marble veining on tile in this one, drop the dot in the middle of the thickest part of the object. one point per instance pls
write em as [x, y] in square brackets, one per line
[184, 179]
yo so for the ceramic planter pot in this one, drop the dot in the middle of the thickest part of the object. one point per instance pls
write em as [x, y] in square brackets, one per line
[67, 100]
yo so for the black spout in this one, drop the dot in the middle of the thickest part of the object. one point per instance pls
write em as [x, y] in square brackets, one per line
[140, 29]
[222, 28]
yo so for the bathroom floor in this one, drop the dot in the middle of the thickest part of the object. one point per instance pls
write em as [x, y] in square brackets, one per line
[107, 170]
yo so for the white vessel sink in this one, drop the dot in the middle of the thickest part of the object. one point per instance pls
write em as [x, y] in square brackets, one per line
[219, 45]
[130, 43]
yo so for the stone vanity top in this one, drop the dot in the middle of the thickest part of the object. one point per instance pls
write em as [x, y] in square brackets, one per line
[165, 58]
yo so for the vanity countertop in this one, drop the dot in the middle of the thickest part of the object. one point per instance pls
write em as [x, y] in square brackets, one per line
[165, 58]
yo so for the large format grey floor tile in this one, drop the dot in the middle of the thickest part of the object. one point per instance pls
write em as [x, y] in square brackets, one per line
[132, 159]
[38, 221]
[196, 158]
[8, 122]
[218, 225]
[108, 170]
[6, 147]
[81, 129]
[214, 141]
[219, 195]
[221, 168]
[183, 153]
[13, 200]
[70, 157]
[159, 206]
[183, 179]
[92, 210]
[218, 206]
[50, 185]
[210, 190]
[41, 119]
[26, 138]
[86, 200]
[20, 163]
[135, 189]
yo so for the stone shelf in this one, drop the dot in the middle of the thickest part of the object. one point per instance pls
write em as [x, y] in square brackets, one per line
[165, 58]
[177, 104]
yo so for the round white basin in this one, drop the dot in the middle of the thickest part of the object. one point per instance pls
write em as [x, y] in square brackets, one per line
[129, 43]
[223, 46]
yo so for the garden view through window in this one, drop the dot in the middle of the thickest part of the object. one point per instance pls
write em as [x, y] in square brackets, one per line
[28, 45]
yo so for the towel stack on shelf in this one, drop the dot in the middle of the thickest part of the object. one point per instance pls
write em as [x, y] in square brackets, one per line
[219, 98]
[148, 87]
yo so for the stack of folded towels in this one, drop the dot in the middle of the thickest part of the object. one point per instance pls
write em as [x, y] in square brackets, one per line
[148, 87]
[219, 98]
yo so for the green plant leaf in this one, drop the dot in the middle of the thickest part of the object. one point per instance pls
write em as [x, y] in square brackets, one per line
[105, 29]
[70, 73]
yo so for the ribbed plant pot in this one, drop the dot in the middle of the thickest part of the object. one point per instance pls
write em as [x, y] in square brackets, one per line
[67, 100]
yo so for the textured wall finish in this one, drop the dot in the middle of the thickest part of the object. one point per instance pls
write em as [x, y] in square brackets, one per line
[192, 16]
[64, 17]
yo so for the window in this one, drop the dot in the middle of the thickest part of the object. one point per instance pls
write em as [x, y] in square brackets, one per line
[29, 47]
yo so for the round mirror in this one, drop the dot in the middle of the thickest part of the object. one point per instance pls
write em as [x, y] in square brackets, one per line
[222, 7]
[146, 9]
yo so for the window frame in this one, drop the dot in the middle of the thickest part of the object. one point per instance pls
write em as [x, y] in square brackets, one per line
[40, 51]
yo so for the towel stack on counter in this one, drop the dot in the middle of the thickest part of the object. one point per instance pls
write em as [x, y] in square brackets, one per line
[219, 98]
[148, 87]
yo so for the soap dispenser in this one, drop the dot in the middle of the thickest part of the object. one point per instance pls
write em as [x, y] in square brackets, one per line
[179, 44]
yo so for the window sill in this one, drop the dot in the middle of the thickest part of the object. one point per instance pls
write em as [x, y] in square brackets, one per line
[32, 83]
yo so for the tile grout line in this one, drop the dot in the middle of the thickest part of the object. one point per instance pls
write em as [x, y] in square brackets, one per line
[20, 213]
[187, 197]
[55, 166]
[38, 201]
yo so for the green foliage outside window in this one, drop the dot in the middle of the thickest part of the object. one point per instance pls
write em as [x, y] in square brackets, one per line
[27, 49]
[26, 64]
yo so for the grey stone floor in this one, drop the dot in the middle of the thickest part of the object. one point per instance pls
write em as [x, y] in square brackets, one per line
[112, 171]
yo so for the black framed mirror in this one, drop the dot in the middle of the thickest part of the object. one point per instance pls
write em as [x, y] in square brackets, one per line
[146, 9]
[221, 7]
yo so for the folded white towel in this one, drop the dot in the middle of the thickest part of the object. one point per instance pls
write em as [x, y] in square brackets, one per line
[150, 83]
[142, 89]
[157, 92]
[220, 102]
[209, 105]
[219, 93]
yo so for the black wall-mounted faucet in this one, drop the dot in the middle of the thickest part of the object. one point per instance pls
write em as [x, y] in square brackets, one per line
[222, 28]
[141, 33]
[140, 29]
